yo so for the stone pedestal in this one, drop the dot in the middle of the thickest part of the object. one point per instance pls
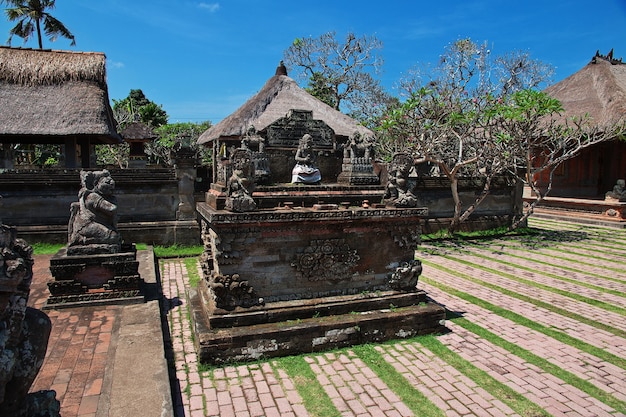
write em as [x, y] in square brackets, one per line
[357, 171]
[292, 280]
[97, 278]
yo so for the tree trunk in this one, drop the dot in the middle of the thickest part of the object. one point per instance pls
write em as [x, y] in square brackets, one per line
[454, 187]
[484, 193]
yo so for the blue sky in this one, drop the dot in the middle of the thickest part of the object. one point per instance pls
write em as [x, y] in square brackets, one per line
[202, 59]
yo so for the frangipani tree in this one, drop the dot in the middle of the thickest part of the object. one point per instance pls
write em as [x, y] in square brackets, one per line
[537, 140]
[452, 119]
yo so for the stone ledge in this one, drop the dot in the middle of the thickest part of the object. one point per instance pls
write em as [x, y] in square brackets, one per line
[245, 343]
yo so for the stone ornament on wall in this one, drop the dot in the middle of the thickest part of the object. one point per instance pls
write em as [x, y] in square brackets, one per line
[328, 259]
[92, 227]
[405, 277]
[230, 291]
[619, 191]
[240, 185]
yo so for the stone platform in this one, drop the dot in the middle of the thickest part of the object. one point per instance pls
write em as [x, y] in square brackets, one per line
[287, 280]
[312, 325]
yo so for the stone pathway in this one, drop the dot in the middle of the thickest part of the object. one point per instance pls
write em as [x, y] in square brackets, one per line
[554, 368]
[78, 349]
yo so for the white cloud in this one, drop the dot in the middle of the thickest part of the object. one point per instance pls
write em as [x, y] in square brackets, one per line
[115, 64]
[211, 7]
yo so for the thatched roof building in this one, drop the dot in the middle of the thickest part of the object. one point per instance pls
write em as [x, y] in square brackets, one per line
[279, 95]
[49, 96]
[598, 89]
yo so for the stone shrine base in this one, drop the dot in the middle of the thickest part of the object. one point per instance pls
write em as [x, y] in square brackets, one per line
[308, 325]
[98, 278]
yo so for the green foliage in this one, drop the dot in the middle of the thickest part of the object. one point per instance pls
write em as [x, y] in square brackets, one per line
[176, 135]
[319, 87]
[31, 15]
[116, 155]
[137, 107]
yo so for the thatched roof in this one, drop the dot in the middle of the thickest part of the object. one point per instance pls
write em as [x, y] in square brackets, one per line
[279, 95]
[138, 131]
[598, 89]
[46, 96]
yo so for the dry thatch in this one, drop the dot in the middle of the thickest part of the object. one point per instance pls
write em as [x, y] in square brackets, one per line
[138, 131]
[46, 96]
[279, 95]
[598, 89]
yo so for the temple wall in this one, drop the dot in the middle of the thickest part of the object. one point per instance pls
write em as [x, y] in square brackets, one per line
[38, 204]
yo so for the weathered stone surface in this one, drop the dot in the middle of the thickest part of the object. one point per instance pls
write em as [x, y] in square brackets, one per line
[81, 278]
[304, 253]
[24, 332]
[93, 219]
[309, 331]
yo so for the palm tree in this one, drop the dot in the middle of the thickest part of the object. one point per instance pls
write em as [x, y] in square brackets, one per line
[30, 15]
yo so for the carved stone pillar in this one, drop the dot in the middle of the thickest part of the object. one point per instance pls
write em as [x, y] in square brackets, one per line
[184, 159]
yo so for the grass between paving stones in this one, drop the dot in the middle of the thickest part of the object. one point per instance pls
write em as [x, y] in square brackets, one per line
[514, 400]
[596, 303]
[575, 261]
[314, 397]
[556, 276]
[521, 320]
[538, 303]
[544, 364]
[411, 397]
[191, 264]
[614, 258]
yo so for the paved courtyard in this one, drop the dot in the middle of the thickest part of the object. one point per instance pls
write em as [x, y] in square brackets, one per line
[536, 327]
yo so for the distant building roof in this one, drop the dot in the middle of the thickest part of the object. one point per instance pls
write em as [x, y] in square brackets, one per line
[138, 131]
[598, 89]
[279, 95]
[47, 95]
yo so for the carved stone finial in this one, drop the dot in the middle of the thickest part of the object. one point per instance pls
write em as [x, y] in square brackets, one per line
[281, 69]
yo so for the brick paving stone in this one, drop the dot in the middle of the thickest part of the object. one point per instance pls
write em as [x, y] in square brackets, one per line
[596, 337]
[582, 364]
[78, 348]
[455, 341]
[443, 394]
[348, 401]
[613, 319]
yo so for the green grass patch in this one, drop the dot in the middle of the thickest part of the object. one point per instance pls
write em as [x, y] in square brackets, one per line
[46, 248]
[411, 397]
[178, 251]
[315, 399]
[191, 264]
[516, 401]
